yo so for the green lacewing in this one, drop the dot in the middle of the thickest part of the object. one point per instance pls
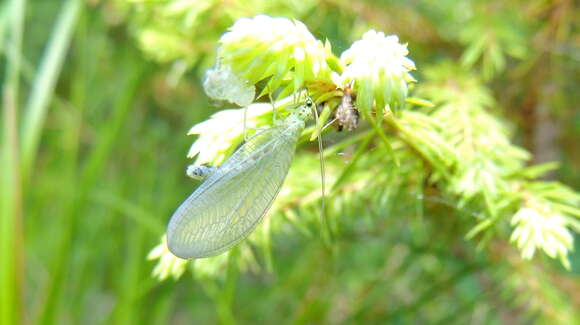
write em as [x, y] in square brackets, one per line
[234, 197]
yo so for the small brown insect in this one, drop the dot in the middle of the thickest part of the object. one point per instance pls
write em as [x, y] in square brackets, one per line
[346, 113]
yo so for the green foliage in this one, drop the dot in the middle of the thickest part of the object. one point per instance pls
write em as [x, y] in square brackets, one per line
[443, 206]
[184, 32]
[488, 173]
[466, 147]
[466, 160]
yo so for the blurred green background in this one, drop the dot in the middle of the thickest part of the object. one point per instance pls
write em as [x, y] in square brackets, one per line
[98, 96]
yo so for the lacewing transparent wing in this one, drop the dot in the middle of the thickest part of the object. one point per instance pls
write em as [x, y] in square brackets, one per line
[223, 210]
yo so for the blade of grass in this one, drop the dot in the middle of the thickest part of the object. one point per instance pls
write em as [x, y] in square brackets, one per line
[45, 81]
[11, 286]
[37, 105]
[4, 11]
[92, 169]
[10, 217]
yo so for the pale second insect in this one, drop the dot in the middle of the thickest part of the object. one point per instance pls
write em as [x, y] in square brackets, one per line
[234, 197]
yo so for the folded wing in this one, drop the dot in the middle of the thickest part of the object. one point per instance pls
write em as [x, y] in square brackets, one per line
[233, 200]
